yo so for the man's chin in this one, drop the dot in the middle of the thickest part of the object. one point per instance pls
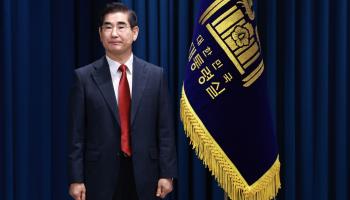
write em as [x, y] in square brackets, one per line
[116, 50]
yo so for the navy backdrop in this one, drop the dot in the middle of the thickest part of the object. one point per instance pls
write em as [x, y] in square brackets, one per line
[306, 51]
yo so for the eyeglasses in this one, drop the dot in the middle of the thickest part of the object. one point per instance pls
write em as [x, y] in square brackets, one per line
[120, 28]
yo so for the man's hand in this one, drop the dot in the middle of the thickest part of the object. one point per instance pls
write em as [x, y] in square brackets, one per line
[165, 186]
[77, 191]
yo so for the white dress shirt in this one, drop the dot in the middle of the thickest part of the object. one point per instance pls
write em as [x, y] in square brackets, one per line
[116, 74]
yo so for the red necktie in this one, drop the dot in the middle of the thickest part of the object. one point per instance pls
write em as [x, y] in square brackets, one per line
[124, 111]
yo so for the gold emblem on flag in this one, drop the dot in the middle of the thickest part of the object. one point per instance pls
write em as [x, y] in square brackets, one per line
[236, 35]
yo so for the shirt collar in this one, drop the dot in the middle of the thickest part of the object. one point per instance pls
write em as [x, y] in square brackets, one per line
[114, 65]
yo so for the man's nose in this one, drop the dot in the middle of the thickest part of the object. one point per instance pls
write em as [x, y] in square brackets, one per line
[114, 32]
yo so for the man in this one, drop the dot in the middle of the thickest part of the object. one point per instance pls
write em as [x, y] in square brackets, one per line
[122, 143]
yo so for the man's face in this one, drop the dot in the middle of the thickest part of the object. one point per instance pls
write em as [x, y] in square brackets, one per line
[116, 34]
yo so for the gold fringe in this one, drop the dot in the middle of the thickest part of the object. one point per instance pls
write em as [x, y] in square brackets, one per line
[221, 167]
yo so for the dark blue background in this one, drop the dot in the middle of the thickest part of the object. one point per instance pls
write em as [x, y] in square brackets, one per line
[306, 51]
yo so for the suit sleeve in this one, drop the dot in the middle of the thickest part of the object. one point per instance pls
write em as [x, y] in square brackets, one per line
[167, 147]
[76, 131]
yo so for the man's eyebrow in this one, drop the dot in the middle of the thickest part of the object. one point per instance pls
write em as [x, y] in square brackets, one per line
[107, 23]
[122, 23]
[118, 23]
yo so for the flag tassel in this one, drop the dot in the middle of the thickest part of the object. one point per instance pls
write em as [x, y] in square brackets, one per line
[221, 167]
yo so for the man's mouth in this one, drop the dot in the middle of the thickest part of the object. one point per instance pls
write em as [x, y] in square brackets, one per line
[115, 43]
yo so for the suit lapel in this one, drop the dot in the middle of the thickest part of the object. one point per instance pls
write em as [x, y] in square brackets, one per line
[102, 77]
[139, 80]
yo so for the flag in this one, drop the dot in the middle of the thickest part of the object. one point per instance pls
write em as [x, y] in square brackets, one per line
[224, 104]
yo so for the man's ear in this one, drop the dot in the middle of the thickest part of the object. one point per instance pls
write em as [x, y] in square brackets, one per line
[100, 32]
[135, 31]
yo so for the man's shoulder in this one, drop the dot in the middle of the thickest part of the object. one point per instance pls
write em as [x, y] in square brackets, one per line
[150, 66]
[87, 69]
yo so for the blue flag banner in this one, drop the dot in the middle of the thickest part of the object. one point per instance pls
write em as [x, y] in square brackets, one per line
[224, 103]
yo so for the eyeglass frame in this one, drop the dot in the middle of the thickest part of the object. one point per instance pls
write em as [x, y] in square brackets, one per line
[120, 27]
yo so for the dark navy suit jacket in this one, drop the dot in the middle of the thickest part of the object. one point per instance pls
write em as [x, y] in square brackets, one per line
[94, 130]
